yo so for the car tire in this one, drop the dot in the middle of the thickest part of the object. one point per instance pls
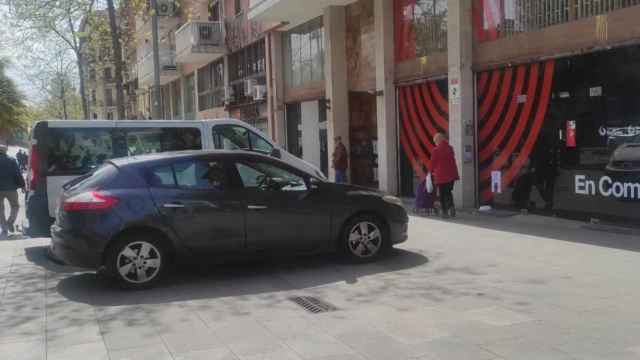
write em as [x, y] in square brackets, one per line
[137, 261]
[364, 239]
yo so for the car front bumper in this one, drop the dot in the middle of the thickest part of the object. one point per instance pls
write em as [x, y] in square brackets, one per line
[399, 232]
[71, 249]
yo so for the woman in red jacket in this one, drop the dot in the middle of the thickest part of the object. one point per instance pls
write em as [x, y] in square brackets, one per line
[445, 173]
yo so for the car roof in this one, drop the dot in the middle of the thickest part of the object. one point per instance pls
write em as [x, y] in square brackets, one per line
[114, 123]
[177, 155]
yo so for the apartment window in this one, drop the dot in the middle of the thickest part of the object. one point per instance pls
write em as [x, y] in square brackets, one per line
[107, 74]
[304, 53]
[211, 86]
[92, 74]
[109, 115]
[215, 13]
[421, 28]
[238, 7]
[108, 97]
[93, 96]
[245, 64]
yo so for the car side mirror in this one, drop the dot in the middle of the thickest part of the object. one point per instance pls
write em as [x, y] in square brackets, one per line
[276, 153]
[314, 184]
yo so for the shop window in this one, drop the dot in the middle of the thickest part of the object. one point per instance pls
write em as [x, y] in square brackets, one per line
[304, 53]
[189, 97]
[420, 27]
[247, 64]
[176, 99]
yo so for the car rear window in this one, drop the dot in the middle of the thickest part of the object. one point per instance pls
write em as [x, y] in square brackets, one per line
[99, 178]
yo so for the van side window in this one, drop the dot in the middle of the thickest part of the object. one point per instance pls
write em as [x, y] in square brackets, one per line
[153, 140]
[231, 137]
[77, 150]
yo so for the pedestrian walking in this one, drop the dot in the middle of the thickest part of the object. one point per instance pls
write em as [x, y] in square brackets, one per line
[340, 161]
[445, 173]
[425, 195]
[10, 181]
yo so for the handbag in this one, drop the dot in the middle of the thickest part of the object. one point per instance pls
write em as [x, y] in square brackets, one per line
[429, 184]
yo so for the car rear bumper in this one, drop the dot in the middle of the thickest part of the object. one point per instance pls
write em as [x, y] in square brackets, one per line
[71, 249]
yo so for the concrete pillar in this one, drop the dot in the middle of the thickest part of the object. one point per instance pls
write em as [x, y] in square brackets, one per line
[462, 99]
[277, 119]
[386, 101]
[336, 83]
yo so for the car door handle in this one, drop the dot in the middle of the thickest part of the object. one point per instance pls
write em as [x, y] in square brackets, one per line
[173, 206]
[256, 207]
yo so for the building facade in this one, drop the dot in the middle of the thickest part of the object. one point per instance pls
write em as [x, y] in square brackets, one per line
[539, 98]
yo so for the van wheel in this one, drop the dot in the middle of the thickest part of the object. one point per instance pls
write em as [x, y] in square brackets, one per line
[364, 239]
[137, 261]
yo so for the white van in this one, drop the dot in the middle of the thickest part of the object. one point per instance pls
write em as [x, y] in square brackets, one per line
[63, 150]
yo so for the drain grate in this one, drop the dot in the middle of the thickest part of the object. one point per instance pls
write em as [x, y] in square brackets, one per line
[313, 304]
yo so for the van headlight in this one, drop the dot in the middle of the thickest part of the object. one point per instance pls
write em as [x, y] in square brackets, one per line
[393, 200]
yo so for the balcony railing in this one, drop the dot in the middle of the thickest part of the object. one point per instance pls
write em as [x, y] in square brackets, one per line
[199, 40]
[503, 18]
[168, 66]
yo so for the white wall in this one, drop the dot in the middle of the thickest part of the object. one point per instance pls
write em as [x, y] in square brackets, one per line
[309, 112]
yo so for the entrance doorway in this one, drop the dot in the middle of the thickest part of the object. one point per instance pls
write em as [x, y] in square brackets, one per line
[363, 139]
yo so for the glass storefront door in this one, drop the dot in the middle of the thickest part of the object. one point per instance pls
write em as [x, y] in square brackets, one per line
[563, 135]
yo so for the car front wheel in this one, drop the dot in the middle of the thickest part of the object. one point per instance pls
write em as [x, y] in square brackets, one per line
[363, 239]
[137, 262]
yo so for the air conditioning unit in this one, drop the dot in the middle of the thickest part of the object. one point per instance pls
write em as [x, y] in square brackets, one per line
[229, 95]
[249, 86]
[166, 8]
[259, 92]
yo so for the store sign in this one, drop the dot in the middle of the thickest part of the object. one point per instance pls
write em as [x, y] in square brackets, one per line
[571, 133]
[607, 187]
[627, 131]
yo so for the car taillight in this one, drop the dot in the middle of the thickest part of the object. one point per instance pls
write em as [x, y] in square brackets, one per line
[34, 165]
[87, 201]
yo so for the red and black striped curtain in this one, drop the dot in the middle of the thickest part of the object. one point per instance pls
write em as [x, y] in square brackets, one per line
[424, 111]
[512, 106]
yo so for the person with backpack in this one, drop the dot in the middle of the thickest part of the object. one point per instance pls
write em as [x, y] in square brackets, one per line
[10, 181]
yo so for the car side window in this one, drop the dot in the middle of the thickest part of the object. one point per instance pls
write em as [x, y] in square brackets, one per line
[231, 138]
[259, 144]
[162, 176]
[192, 174]
[268, 177]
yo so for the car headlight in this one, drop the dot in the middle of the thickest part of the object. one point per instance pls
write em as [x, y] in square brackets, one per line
[393, 200]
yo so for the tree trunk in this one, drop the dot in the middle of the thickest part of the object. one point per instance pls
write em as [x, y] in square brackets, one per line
[117, 54]
[63, 98]
[83, 97]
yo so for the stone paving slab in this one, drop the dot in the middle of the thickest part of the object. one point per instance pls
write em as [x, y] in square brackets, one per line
[476, 288]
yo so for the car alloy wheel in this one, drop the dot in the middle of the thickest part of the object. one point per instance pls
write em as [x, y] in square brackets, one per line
[365, 240]
[139, 262]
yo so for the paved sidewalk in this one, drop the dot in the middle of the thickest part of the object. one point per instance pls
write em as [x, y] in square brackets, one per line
[475, 288]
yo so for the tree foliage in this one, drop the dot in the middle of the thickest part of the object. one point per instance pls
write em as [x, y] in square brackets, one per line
[11, 105]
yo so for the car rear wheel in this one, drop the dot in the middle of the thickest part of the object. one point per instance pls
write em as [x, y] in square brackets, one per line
[137, 261]
[364, 239]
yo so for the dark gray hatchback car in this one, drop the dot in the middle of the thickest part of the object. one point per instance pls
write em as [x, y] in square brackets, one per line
[136, 216]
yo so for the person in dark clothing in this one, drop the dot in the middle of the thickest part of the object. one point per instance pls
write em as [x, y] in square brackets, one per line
[445, 173]
[340, 161]
[10, 181]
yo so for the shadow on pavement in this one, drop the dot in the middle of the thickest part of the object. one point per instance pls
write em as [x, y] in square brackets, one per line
[615, 237]
[219, 281]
